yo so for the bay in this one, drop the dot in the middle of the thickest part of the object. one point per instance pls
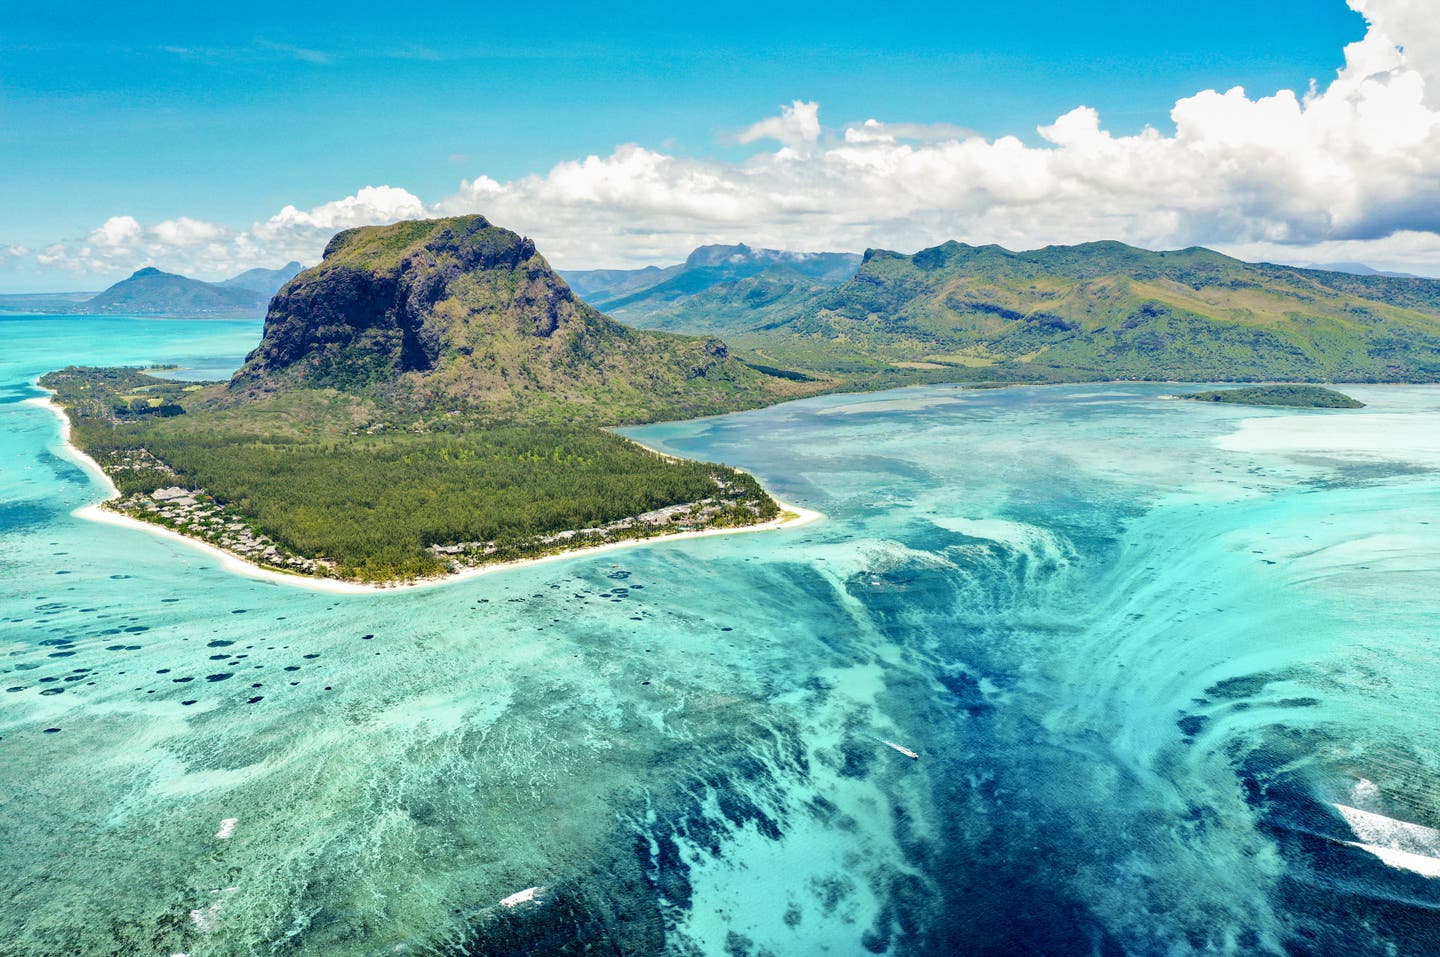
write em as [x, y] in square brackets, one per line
[1170, 669]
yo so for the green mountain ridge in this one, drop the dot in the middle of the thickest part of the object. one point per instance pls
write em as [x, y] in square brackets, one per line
[1097, 310]
[601, 284]
[431, 394]
[770, 296]
[622, 293]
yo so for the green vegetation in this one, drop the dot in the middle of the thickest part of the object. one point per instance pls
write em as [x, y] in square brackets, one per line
[459, 314]
[749, 277]
[428, 397]
[152, 292]
[1290, 396]
[1071, 313]
[432, 394]
[367, 502]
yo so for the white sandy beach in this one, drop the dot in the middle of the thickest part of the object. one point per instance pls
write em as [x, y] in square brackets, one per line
[791, 516]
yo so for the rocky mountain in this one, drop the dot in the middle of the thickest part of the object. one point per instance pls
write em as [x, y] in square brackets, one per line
[601, 284]
[457, 313]
[637, 295]
[1098, 310]
[725, 308]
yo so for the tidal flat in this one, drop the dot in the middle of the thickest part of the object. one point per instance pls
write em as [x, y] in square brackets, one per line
[1169, 668]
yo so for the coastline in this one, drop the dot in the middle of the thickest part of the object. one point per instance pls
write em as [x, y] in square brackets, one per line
[791, 516]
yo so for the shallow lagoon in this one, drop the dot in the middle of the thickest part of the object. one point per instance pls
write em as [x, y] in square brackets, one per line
[1171, 669]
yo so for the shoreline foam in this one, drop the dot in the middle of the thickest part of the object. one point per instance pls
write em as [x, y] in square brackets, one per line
[791, 516]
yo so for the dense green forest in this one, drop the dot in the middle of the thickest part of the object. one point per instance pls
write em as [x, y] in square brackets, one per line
[372, 504]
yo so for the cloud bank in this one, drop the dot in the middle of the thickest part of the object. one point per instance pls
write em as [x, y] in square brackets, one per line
[1346, 171]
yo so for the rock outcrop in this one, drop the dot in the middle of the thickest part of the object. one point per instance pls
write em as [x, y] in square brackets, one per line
[463, 312]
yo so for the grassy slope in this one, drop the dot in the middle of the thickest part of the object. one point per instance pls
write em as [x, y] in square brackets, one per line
[774, 293]
[647, 294]
[1102, 310]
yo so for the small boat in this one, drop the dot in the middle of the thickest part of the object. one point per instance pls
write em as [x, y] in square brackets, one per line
[901, 748]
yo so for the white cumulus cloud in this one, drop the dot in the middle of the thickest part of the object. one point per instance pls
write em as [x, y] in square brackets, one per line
[200, 248]
[797, 127]
[117, 232]
[1284, 175]
[1348, 170]
[184, 231]
[369, 206]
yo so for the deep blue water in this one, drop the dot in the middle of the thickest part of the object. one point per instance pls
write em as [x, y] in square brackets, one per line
[1171, 670]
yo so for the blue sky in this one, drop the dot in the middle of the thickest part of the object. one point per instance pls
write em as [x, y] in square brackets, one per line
[227, 114]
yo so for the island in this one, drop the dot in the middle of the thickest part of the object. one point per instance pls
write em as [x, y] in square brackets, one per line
[153, 292]
[1287, 396]
[430, 398]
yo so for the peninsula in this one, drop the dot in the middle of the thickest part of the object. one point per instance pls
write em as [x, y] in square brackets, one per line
[430, 398]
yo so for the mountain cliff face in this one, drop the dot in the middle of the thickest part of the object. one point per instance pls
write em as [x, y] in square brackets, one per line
[1098, 310]
[460, 313]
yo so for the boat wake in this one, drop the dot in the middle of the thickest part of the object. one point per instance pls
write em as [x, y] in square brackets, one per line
[1411, 847]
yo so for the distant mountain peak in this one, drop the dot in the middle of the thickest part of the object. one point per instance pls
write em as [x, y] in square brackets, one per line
[1360, 269]
[716, 253]
[633, 294]
[152, 291]
[264, 281]
[721, 254]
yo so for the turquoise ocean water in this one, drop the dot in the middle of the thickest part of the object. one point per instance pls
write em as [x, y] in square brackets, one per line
[1172, 670]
